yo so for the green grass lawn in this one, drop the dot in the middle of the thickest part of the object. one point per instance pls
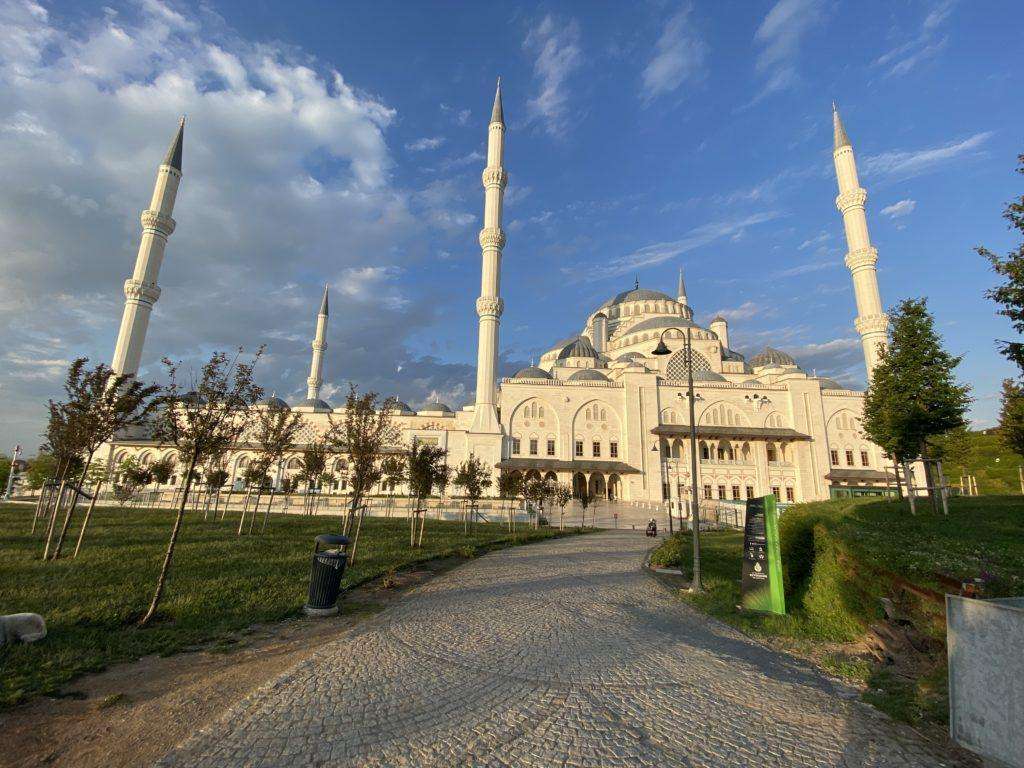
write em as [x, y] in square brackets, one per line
[219, 583]
[841, 557]
[993, 465]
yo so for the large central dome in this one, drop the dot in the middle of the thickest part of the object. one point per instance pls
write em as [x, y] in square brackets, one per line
[637, 294]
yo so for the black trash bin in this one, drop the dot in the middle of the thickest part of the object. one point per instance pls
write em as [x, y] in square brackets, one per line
[325, 574]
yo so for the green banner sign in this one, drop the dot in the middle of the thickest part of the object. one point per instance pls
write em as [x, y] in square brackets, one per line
[761, 586]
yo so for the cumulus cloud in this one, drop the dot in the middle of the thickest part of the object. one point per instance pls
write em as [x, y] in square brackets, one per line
[287, 184]
[421, 145]
[678, 56]
[555, 48]
[744, 311]
[899, 208]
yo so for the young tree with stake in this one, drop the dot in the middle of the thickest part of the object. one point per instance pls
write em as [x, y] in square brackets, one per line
[201, 425]
[510, 485]
[474, 477]
[274, 435]
[426, 464]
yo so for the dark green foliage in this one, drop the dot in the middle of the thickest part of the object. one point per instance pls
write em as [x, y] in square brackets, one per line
[1011, 416]
[1010, 293]
[40, 469]
[913, 394]
[425, 466]
[221, 584]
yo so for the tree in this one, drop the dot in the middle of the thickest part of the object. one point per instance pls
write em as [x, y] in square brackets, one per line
[64, 440]
[363, 434]
[474, 477]
[103, 404]
[5, 471]
[203, 422]
[314, 464]
[274, 435]
[1011, 416]
[40, 469]
[537, 491]
[1010, 293]
[510, 486]
[426, 465]
[913, 396]
[393, 472]
[163, 469]
[131, 477]
[562, 496]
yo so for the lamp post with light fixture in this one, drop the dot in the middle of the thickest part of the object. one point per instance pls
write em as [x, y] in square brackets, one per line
[661, 349]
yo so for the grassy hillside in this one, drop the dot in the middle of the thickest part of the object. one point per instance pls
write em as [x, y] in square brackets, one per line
[844, 561]
[994, 465]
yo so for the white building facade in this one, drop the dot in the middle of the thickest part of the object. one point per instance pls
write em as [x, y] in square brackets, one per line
[602, 413]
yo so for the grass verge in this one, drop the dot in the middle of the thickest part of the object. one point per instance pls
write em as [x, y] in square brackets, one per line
[219, 583]
[842, 561]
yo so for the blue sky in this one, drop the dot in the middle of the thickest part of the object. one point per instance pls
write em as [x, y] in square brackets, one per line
[344, 143]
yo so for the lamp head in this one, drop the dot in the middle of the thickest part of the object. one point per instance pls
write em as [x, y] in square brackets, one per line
[661, 349]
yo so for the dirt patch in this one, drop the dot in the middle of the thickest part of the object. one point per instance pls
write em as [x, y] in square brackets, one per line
[132, 714]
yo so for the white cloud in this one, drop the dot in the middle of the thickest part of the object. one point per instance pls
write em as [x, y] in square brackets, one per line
[779, 37]
[744, 311]
[421, 145]
[678, 56]
[923, 46]
[820, 239]
[900, 208]
[555, 46]
[657, 253]
[901, 164]
[804, 269]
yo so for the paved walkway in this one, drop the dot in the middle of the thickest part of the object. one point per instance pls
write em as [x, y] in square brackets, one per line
[556, 654]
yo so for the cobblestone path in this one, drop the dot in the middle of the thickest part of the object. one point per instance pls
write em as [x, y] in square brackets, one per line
[556, 654]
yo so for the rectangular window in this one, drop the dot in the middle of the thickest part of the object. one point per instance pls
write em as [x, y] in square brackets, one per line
[596, 448]
[789, 494]
[721, 491]
[849, 458]
[735, 492]
[579, 447]
[707, 491]
[533, 446]
[750, 491]
[515, 446]
[613, 449]
[771, 453]
[863, 458]
[775, 492]
[551, 447]
[835, 457]
[721, 454]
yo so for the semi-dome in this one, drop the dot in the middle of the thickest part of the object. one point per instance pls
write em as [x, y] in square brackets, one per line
[628, 356]
[531, 372]
[275, 402]
[771, 357]
[588, 374]
[708, 376]
[653, 323]
[830, 384]
[315, 403]
[579, 347]
[637, 294]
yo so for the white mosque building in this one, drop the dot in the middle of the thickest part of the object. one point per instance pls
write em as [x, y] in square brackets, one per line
[600, 411]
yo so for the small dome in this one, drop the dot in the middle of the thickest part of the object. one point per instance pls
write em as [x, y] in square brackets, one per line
[579, 347]
[275, 402]
[601, 314]
[435, 408]
[831, 384]
[397, 406]
[627, 356]
[770, 357]
[718, 319]
[531, 372]
[315, 403]
[587, 374]
[728, 354]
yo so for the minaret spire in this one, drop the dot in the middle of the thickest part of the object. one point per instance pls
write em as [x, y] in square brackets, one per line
[141, 290]
[872, 323]
[316, 378]
[490, 306]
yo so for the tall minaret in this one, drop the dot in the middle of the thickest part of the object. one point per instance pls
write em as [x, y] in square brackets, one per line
[489, 306]
[872, 322]
[141, 290]
[316, 367]
[681, 296]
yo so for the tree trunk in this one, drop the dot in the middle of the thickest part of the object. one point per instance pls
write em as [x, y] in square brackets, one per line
[245, 508]
[414, 513]
[423, 522]
[255, 511]
[53, 520]
[88, 517]
[266, 514]
[355, 539]
[71, 510]
[162, 579]
[47, 491]
[910, 488]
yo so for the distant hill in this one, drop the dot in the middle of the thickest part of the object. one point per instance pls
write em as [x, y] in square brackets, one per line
[993, 465]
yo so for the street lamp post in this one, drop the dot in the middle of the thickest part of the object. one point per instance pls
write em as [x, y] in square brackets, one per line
[10, 476]
[661, 349]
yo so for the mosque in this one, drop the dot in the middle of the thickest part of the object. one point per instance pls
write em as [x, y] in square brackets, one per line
[605, 410]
